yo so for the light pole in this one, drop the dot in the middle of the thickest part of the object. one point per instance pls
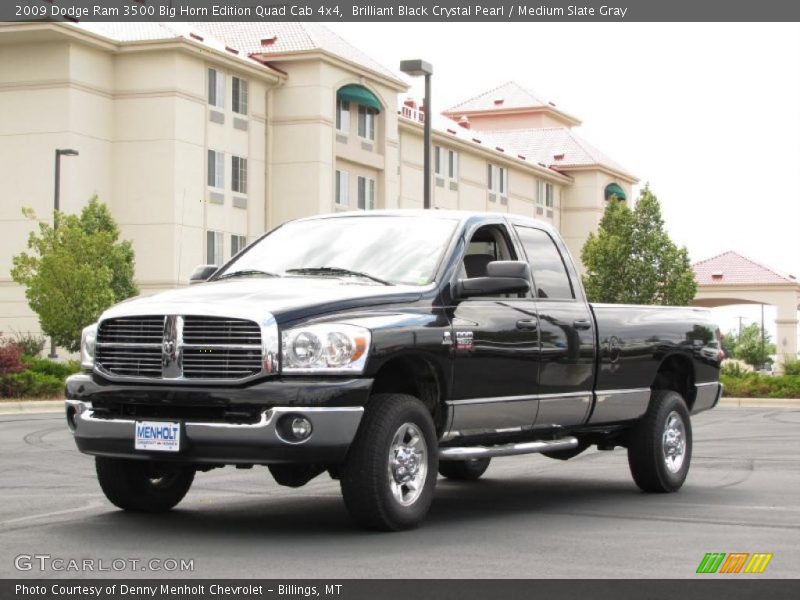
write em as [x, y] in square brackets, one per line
[418, 68]
[56, 207]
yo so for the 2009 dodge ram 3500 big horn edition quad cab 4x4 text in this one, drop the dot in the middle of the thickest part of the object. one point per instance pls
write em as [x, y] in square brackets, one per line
[384, 348]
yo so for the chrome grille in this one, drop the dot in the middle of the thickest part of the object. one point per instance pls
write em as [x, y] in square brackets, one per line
[183, 348]
[217, 347]
[219, 330]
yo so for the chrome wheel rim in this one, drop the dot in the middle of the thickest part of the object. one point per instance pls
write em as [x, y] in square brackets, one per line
[674, 442]
[408, 464]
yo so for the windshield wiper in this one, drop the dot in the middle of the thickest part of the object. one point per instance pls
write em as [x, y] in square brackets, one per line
[337, 271]
[247, 273]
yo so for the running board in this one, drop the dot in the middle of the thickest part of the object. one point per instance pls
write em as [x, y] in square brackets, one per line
[471, 452]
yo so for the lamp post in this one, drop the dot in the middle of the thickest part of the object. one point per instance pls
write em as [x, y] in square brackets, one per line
[418, 68]
[56, 207]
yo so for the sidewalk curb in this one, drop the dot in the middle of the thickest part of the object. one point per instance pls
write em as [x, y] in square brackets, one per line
[51, 406]
[31, 406]
[760, 402]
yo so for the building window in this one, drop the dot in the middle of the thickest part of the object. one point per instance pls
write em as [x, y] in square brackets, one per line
[214, 248]
[545, 194]
[446, 162]
[343, 188]
[239, 98]
[497, 180]
[216, 88]
[216, 169]
[238, 242]
[239, 174]
[343, 116]
[366, 193]
[366, 122]
[452, 165]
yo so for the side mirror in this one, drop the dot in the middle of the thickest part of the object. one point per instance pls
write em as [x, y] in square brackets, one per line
[502, 277]
[202, 273]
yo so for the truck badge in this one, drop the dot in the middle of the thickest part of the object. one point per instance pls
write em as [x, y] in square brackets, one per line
[464, 340]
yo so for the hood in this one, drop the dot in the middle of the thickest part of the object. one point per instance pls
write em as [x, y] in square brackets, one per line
[285, 298]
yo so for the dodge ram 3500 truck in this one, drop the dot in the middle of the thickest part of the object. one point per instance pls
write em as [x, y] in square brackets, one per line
[385, 347]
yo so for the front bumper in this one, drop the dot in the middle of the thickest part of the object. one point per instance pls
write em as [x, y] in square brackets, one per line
[333, 429]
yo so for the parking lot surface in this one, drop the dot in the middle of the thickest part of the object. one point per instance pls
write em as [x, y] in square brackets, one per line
[529, 516]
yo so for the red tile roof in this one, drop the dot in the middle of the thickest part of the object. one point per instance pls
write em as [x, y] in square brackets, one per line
[731, 268]
[557, 147]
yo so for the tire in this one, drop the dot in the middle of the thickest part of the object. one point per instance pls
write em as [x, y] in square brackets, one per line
[464, 470]
[389, 475]
[660, 444]
[142, 486]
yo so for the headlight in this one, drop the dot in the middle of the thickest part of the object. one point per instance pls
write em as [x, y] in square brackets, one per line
[334, 348]
[88, 339]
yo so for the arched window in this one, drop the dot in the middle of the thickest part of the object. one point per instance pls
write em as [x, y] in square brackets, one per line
[615, 192]
[367, 106]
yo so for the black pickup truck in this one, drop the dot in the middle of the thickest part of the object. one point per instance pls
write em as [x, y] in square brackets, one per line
[385, 347]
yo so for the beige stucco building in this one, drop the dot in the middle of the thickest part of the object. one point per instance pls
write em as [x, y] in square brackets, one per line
[202, 136]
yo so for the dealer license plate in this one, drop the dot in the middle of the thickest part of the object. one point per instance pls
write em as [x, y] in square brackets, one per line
[161, 436]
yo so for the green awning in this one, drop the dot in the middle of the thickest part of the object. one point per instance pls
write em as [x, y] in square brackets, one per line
[613, 189]
[360, 95]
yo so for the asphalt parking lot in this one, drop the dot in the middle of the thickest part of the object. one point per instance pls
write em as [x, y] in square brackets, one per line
[529, 517]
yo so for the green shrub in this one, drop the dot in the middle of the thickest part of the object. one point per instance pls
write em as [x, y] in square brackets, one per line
[30, 384]
[46, 366]
[791, 367]
[756, 385]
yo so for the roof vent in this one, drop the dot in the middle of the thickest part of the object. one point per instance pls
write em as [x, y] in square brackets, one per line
[476, 140]
[521, 157]
[499, 149]
[558, 157]
[552, 103]
[453, 131]
[464, 122]
[231, 50]
[195, 36]
[269, 41]
[499, 101]
[717, 275]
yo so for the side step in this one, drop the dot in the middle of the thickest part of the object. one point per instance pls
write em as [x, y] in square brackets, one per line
[470, 452]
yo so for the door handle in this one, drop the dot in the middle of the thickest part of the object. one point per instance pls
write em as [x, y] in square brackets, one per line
[528, 324]
[582, 324]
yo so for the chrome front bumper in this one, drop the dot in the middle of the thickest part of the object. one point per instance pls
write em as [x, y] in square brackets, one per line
[333, 429]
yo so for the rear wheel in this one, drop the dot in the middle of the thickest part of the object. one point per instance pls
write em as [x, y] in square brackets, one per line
[464, 470]
[143, 486]
[660, 445]
[389, 474]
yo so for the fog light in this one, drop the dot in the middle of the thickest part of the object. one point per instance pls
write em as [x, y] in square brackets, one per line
[301, 428]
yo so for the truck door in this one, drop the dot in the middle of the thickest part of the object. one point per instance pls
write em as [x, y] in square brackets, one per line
[566, 331]
[495, 345]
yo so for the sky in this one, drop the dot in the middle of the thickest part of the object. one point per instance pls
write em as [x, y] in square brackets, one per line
[708, 114]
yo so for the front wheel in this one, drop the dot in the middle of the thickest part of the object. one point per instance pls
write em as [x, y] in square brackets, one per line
[143, 486]
[660, 445]
[389, 475]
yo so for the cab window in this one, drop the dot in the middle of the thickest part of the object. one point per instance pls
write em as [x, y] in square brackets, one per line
[549, 272]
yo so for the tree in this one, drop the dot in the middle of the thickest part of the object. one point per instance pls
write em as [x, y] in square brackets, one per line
[632, 260]
[749, 347]
[729, 341]
[73, 273]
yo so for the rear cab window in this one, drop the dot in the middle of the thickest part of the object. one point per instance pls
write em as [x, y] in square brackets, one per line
[550, 277]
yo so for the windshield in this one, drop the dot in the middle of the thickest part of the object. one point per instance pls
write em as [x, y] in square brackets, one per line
[380, 249]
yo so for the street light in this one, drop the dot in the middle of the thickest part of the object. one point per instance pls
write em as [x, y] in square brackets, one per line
[59, 153]
[419, 68]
